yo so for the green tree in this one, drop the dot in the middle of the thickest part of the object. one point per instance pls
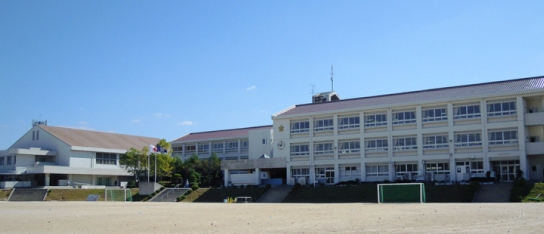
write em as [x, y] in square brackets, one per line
[163, 160]
[135, 161]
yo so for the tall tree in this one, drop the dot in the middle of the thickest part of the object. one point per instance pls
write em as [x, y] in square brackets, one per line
[135, 161]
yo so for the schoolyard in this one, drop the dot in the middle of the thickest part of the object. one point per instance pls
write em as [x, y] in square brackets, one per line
[138, 217]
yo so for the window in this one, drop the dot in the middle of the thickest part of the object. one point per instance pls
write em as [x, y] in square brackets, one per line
[203, 148]
[323, 125]
[245, 145]
[377, 170]
[232, 146]
[349, 171]
[8, 160]
[501, 108]
[403, 170]
[300, 127]
[503, 137]
[347, 147]
[435, 142]
[300, 172]
[477, 167]
[404, 117]
[323, 148]
[217, 147]
[348, 122]
[300, 149]
[405, 143]
[177, 149]
[376, 145]
[105, 158]
[37, 135]
[375, 120]
[190, 149]
[434, 115]
[438, 168]
[1, 160]
[33, 135]
[468, 139]
[466, 112]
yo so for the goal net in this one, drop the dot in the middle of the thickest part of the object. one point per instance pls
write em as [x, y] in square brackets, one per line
[401, 193]
[119, 195]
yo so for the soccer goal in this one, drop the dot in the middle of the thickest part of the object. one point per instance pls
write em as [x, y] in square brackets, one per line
[401, 193]
[119, 195]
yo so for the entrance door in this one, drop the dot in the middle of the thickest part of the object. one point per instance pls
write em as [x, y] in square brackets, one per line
[462, 173]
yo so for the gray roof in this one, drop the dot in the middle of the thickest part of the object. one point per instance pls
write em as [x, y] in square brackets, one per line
[431, 95]
[220, 134]
[94, 139]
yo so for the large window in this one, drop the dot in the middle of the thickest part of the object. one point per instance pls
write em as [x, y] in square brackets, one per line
[190, 149]
[406, 170]
[8, 160]
[323, 148]
[377, 170]
[503, 137]
[300, 127]
[348, 122]
[434, 114]
[405, 143]
[350, 171]
[203, 148]
[376, 145]
[217, 147]
[1, 160]
[501, 108]
[468, 139]
[435, 142]
[347, 147]
[438, 168]
[323, 125]
[300, 172]
[466, 111]
[105, 158]
[404, 117]
[244, 145]
[300, 149]
[232, 146]
[375, 120]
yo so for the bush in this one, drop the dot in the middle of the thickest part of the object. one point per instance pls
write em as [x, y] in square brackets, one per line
[131, 184]
[516, 194]
[188, 192]
[181, 198]
[268, 186]
[194, 187]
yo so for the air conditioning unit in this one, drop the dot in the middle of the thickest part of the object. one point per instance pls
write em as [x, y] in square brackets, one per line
[534, 139]
[533, 110]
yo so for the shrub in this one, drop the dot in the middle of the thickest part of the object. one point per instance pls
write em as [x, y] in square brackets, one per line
[357, 181]
[131, 184]
[194, 187]
[268, 186]
[188, 192]
[519, 182]
[516, 194]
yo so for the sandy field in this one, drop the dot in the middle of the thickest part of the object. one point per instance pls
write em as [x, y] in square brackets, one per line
[118, 217]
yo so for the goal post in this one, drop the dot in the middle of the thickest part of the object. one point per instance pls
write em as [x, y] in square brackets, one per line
[401, 193]
[117, 195]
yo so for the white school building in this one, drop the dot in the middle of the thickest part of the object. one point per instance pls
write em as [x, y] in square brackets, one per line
[57, 156]
[442, 134]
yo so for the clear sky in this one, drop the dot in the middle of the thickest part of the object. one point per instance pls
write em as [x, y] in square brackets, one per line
[167, 68]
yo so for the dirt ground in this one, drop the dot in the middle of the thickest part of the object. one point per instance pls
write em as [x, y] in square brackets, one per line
[118, 217]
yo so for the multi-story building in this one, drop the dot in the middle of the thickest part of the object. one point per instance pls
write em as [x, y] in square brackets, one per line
[57, 156]
[443, 134]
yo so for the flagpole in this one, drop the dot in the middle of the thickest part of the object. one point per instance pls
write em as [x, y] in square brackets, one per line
[148, 167]
[155, 168]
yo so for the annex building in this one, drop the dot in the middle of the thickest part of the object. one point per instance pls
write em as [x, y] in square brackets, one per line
[57, 156]
[443, 134]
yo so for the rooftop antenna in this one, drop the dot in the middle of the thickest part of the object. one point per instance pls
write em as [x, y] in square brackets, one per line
[313, 89]
[332, 80]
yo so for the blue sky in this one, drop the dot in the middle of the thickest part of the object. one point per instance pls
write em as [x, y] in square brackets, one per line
[168, 68]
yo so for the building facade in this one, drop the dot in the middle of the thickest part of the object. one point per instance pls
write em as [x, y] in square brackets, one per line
[56, 156]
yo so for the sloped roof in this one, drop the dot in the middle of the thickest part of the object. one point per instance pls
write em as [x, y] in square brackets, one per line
[434, 95]
[94, 139]
[220, 134]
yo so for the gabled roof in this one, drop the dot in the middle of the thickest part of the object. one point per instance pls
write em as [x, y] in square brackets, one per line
[431, 95]
[94, 139]
[219, 135]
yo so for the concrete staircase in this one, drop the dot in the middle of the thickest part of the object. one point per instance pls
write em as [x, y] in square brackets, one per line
[497, 192]
[169, 195]
[275, 194]
[28, 194]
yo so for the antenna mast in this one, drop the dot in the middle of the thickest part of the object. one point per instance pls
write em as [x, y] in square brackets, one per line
[332, 80]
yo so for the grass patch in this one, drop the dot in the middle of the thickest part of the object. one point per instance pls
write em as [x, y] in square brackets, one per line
[217, 195]
[367, 193]
[534, 190]
[4, 194]
[77, 194]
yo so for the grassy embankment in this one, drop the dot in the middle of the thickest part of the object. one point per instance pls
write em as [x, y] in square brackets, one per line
[217, 195]
[77, 194]
[534, 190]
[4, 194]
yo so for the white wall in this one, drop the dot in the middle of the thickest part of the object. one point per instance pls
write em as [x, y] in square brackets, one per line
[256, 146]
